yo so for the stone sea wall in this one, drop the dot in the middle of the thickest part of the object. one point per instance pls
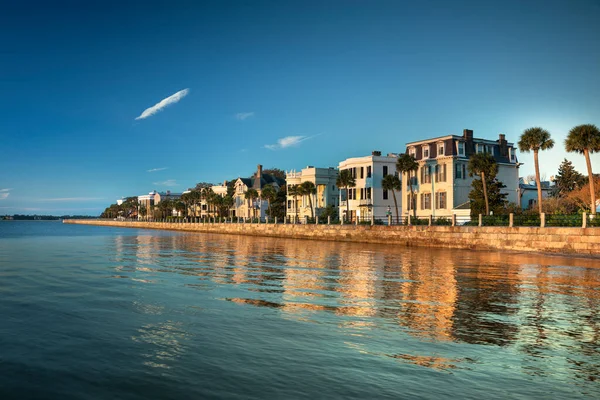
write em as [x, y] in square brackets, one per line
[576, 241]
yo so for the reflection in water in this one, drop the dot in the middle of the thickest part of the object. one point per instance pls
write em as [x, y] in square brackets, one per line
[541, 309]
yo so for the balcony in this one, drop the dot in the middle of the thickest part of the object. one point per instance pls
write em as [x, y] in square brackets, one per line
[366, 202]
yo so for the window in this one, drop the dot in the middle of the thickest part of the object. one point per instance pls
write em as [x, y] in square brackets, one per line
[368, 190]
[289, 204]
[350, 197]
[458, 168]
[425, 201]
[461, 148]
[440, 149]
[412, 152]
[426, 152]
[426, 174]
[440, 200]
[385, 194]
[440, 173]
[368, 171]
[385, 170]
[511, 152]
[362, 172]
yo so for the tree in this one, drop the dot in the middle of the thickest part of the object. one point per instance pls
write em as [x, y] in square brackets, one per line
[202, 185]
[483, 164]
[276, 172]
[295, 191]
[579, 197]
[496, 200]
[392, 182]
[567, 179]
[536, 139]
[309, 189]
[585, 139]
[405, 165]
[180, 207]
[251, 195]
[143, 211]
[227, 203]
[269, 193]
[345, 180]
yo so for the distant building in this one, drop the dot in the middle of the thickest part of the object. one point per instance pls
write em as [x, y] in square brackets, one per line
[528, 195]
[368, 198]
[257, 208]
[327, 192]
[152, 199]
[442, 182]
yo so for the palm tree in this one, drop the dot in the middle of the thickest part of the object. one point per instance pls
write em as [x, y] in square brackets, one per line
[585, 139]
[483, 164]
[251, 195]
[295, 190]
[227, 203]
[309, 189]
[392, 182]
[536, 139]
[345, 180]
[143, 211]
[269, 193]
[405, 165]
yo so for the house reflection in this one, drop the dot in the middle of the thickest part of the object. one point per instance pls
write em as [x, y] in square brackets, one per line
[487, 298]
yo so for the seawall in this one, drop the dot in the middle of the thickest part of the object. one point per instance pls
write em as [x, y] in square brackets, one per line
[575, 241]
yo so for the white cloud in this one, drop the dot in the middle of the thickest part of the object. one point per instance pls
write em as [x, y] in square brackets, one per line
[288, 141]
[168, 182]
[174, 98]
[4, 193]
[243, 115]
[73, 199]
[157, 169]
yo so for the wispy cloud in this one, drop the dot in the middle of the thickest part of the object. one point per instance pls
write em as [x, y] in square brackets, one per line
[288, 141]
[73, 199]
[172, 99]
[168, 182]
[243, 115]
[4, 193]
[157, 169]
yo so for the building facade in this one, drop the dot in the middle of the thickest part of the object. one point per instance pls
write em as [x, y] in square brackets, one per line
[368, 199]
[253, 208]
[327, 194]
[151, 200]
[442, 182]
[528, 196]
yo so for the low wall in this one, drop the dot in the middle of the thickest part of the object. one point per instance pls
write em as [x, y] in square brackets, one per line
[579, 241]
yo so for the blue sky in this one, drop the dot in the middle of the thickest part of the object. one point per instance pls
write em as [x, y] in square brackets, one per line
[343, 77]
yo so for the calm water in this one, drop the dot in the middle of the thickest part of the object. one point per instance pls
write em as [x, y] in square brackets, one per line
[114, 313]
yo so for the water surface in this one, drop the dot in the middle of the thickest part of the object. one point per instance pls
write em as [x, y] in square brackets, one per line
[114, 313]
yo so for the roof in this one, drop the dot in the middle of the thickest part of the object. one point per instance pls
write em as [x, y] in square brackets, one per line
[266, 179]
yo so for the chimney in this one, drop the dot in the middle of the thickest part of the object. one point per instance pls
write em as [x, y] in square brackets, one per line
[468, 134]
[259, 172]
[503, 145]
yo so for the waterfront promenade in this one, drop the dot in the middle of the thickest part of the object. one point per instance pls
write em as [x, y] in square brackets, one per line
[552, 240]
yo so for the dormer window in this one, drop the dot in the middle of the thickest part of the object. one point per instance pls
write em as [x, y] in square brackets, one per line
[511, 152]
[426, 152]
[412, 152]
[440, 149]
[461, 149]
